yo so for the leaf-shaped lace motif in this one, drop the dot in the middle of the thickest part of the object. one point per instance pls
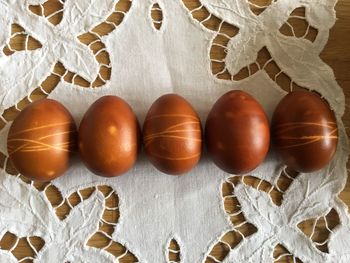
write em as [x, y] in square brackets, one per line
[86, 215]
[86, 64]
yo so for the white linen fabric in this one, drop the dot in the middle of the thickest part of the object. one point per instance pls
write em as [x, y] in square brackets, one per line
[145, 63]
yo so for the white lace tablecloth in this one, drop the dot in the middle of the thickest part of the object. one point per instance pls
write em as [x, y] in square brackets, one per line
[145, 63]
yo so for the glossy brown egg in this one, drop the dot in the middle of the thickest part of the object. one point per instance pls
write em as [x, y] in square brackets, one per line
[304, 131]
[172, 135]
[237, 133]
[109, 137]
[41, 140]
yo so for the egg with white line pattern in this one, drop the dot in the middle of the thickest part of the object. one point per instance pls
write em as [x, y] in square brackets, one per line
[41, 140]
[304, 131]
[172, 135]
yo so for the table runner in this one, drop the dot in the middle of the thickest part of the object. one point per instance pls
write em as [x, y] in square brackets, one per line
[148, 58]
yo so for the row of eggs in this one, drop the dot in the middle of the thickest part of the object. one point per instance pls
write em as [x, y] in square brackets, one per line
[43, 137]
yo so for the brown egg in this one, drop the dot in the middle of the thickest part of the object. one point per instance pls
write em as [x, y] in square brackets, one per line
[237, 133]
[109, 137]
[172, 135]
[304, 131]
[41, 140]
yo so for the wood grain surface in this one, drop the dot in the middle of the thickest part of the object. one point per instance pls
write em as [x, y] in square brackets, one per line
[336, 54]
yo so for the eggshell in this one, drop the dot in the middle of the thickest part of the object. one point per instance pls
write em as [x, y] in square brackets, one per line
[304, 131]
[172, 135]
[237, 133]
[41, 140]
[109, 137]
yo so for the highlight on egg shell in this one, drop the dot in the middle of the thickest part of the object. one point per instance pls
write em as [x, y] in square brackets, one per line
[172, 135]
[237, 133]
[41, 140]
[304, 131]
[109, 137]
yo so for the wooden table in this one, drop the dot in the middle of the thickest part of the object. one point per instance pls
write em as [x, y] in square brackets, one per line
[336, 54]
